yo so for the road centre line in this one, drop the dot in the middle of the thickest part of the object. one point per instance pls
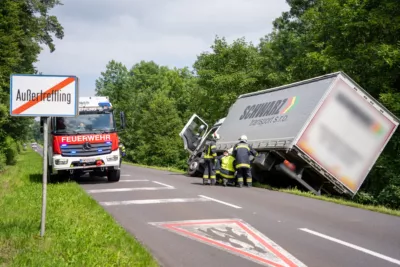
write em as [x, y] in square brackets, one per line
[125, 175]
[222, 202]
[367, 251]
[170, 186]
[125, 181]
[153, 201]
[128, 189]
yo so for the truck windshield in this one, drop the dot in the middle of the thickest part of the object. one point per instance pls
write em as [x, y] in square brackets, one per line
[85, 123]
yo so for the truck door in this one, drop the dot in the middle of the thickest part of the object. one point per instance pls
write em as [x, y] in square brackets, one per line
[193, 132]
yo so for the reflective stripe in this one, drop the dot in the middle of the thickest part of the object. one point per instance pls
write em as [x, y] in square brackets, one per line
[213, 177]
[249, 180]
[243, 146]
[217, 172]
[205, 176]
[213, 146]
[243, 165]
[227, 175]
[214, 155]
[208, 157]
[240, 180]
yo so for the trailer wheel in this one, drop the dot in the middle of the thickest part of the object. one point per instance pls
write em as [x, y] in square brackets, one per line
[113, 175]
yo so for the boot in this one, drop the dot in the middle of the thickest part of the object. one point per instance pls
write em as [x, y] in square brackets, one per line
[249, 185]
[205, 181]
[240, 184]
[213, 181]
[225, 182]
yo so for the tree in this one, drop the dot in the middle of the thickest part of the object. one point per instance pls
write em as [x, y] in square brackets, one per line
[25, 25]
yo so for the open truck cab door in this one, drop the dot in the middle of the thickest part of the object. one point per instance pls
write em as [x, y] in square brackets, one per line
[194, 135]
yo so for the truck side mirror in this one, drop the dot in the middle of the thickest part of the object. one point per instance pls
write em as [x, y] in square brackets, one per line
[122, 117]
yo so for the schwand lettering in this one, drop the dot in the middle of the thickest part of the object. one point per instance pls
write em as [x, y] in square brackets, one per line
[265, 109]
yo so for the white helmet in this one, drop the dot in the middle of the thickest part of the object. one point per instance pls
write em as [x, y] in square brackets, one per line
[215, 136]
[243, 138]
[230, 150]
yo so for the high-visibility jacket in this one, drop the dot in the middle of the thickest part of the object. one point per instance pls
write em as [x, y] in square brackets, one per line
[242, 152]
[210, 150]
[122, 149]
[227, 167]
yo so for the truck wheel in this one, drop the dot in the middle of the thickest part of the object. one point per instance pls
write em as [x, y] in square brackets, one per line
[194, 168]
[113, 175]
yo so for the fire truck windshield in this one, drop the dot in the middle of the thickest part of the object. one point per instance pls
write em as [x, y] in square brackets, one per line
[85, 123]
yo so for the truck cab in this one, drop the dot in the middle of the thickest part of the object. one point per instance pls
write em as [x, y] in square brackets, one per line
[88, 143]
[194, 136]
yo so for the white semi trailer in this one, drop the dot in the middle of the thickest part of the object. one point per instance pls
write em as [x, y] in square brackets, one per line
[326, 133]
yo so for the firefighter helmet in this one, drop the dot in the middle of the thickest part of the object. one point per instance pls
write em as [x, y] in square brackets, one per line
[243, 138]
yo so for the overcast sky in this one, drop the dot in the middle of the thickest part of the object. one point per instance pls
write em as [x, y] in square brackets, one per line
[169, 32]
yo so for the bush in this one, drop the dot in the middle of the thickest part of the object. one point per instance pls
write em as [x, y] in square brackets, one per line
[11, 151]
[390, 196]
[365, 198]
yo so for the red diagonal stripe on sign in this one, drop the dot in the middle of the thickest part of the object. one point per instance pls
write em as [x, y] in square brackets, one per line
[37, 100]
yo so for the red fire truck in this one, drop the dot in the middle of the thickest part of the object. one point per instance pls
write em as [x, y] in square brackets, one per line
[87, 143]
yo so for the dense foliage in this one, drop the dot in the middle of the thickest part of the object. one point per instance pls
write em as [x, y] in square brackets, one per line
[24, 26]
[360, 37]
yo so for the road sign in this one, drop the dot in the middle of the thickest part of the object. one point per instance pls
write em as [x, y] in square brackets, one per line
[234, 236]
[43, 95]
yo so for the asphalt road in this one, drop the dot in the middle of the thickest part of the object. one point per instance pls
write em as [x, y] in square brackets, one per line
[314, 232]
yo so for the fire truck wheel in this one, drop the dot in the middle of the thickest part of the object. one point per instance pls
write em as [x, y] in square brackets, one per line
[113, 175]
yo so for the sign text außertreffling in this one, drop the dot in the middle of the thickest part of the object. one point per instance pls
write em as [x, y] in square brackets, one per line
[55, 96]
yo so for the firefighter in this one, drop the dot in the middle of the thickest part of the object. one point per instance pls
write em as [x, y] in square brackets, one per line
[122, 151]
[210, 155]
[227, 170]
[242, 152]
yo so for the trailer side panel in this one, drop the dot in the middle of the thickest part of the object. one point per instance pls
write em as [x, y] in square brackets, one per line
[274, 117]
[347, 134]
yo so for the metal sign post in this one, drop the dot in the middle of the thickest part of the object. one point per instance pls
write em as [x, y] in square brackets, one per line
[44, 182]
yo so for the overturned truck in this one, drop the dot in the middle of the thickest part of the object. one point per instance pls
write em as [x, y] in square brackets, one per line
[324, 133]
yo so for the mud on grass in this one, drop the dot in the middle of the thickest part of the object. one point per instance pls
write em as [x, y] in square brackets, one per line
[78, 231]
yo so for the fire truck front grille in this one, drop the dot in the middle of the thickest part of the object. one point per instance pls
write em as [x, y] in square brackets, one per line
[85, 150]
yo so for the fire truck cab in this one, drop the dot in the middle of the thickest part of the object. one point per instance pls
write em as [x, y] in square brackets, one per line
[87, 143]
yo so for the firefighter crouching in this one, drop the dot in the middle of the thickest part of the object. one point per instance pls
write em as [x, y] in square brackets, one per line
[227, 168]
[210, 156]
[242, 152]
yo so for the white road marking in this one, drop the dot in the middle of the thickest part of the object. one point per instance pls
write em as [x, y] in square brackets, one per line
[125, 175]
[222, 202]
[367, 251]
[125, 181]
[163, 184]
[128, 189]
[154, 201]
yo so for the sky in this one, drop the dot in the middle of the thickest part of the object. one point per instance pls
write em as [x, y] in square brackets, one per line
[169, 32]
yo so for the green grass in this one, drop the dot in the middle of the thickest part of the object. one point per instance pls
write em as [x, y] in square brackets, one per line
[341, 201]
[337, 200]
[79, 232]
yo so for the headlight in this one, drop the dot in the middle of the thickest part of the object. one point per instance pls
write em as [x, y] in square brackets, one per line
[61, 161]
[112, 158]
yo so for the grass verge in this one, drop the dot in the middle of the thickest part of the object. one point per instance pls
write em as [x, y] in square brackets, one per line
[78, 231]
[341, 201]
[337, 200]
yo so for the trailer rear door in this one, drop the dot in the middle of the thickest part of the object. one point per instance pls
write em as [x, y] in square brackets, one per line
[347, 134]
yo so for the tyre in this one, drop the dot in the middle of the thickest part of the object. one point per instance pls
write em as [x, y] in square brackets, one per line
[113, 175]
[194, 168]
